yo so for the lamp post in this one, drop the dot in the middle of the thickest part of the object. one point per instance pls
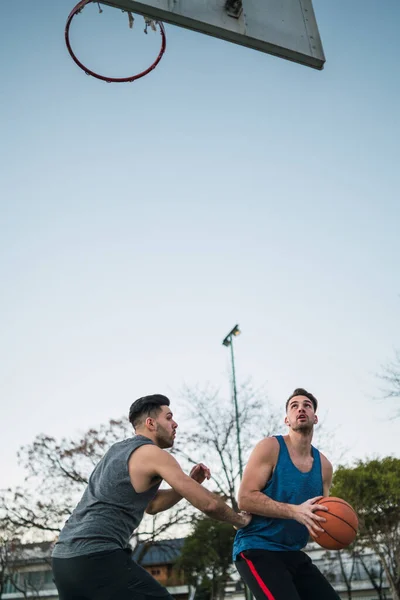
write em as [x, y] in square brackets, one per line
[228, 342]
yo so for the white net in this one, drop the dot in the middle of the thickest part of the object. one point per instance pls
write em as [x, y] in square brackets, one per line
[148, 22]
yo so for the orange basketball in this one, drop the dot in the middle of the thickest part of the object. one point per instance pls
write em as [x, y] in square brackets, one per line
[341, 525]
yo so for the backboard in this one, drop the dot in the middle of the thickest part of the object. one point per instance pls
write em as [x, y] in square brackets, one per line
[284, 28]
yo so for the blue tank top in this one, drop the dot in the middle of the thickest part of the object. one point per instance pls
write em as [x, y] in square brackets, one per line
[288, 485]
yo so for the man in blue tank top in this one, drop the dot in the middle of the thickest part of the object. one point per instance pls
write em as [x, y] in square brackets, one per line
[283, 478]
[92, 559]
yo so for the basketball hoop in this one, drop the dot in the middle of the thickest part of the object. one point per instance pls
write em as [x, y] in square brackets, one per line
[149, 22]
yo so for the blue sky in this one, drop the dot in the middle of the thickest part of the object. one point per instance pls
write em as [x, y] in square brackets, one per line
[140, 222]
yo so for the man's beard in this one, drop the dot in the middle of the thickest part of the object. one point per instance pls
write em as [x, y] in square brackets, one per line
[303, 427]
[164, 438]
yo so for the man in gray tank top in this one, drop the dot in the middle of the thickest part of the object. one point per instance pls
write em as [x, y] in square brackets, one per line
[92, 558]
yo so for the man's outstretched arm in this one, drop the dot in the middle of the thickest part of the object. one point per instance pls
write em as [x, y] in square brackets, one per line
[160, 463]
[165, 499]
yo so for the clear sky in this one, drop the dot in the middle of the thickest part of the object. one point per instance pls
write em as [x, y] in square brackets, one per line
[140, 222]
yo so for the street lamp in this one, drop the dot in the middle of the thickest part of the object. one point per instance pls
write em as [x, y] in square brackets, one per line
[228, 342]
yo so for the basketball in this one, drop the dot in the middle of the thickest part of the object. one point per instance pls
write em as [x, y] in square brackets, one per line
[341, 525]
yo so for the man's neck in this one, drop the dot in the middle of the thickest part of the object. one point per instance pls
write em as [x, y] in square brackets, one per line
[146, 434]
[300, 442]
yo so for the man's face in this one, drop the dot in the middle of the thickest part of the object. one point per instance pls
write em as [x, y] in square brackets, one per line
[300, 415]
[165, 428]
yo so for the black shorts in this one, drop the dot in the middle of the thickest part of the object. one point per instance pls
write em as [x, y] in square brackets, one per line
[283, 576]
[111, 575]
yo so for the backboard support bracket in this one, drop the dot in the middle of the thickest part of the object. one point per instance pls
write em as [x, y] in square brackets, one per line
[234, 8]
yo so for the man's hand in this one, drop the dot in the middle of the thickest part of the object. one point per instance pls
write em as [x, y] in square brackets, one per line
[305, 514]
[200, 472]
[165, 499]
[246, 519]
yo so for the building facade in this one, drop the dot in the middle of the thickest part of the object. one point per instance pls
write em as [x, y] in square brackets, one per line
[28, 573]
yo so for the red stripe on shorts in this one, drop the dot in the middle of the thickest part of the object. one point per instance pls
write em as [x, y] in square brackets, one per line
[260, 582]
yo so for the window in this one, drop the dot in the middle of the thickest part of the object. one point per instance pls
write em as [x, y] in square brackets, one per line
[9, 587]
[34, 580]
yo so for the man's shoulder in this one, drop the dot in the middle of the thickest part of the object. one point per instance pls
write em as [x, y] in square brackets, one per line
[324, 461]
[271, 440]
[149, 455]
[147, 459]
[267, 447]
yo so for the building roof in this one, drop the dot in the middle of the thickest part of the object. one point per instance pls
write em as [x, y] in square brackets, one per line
[164, 552]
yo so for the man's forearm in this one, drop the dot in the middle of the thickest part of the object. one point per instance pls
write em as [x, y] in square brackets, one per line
[222, 512]
[164, 500]
[258, 503]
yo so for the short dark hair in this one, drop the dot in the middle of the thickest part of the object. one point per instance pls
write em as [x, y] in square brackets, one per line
[303, 392]
[147, 406]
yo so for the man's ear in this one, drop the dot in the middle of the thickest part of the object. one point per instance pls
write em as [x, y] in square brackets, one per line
[150, 423]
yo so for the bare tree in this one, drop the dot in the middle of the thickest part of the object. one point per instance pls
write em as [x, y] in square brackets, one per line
[56, 474]
[390, 375]
[210, 434]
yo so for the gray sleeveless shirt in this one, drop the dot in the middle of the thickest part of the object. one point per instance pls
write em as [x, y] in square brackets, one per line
[110, 508]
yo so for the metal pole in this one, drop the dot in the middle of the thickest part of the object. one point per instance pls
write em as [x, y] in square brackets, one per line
[228, 341]
[236, 411]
